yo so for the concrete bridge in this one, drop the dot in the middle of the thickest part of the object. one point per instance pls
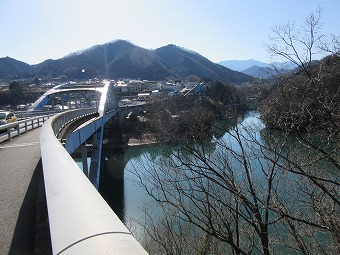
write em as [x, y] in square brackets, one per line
[79, 220]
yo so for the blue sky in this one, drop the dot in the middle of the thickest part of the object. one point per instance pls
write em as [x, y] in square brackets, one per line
[35, 30]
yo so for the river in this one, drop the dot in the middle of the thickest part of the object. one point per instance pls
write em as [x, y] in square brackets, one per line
[121, 188]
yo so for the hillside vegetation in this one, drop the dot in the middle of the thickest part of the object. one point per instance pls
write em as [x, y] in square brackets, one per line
[306, 101]
[121, 59]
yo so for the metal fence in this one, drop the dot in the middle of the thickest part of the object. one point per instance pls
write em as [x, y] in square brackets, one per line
[8, 131]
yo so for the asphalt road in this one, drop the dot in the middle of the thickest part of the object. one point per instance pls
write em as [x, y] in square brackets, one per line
[23, 215]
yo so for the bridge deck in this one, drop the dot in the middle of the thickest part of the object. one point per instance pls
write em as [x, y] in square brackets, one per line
[23, 209]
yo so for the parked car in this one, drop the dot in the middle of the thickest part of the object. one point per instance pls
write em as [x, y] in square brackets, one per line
[7, 117]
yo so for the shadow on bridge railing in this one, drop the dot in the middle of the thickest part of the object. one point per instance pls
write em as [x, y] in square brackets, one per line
[81, 222]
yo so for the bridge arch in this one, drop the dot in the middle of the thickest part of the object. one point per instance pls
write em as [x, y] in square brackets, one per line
[70, 96]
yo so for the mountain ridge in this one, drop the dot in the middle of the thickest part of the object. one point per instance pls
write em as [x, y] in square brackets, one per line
[11, 66]
[241, 65]
[122, 59]
[260, 72]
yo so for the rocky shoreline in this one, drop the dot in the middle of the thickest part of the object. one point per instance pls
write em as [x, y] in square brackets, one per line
[145, 139]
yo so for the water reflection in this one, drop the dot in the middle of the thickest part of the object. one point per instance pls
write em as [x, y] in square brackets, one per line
[118, 183]
[112, 181]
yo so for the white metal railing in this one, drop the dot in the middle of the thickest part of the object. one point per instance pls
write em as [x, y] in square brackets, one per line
[30, 114]
[70, 116]
[81, 222]
[8, 131]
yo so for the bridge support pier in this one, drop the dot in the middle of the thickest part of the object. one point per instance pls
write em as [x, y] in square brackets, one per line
[96, 157]
[83, 151]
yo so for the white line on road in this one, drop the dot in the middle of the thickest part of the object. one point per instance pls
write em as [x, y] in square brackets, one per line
[19, 145]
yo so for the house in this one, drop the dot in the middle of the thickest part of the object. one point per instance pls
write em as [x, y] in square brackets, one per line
[121, 86]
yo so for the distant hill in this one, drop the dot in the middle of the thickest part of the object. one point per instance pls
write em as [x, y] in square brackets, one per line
[11, 68]
[240, 65]
[122, 59]
[258, 69]
[184, 63]
[259, 72]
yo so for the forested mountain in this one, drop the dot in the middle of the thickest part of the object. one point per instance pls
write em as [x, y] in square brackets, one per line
[13, 68]
[121, 59]
[183, 63]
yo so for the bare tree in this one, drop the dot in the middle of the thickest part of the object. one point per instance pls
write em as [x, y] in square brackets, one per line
[332, 46]
[307, 99]
[298, 45]
[312, 173]
[305, 105]
[169, 234]
[247, 192]
[259, 191]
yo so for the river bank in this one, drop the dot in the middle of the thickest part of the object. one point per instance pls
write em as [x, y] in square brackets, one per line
[144, 139]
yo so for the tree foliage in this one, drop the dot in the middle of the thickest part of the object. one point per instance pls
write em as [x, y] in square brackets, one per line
[177, 119]
[17, 94]
[193, 117]
[225, 93]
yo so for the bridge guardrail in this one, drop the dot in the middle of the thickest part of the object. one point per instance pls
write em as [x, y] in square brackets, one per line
[70, 116]
[81, 222]
[30, 114]
[8, 131]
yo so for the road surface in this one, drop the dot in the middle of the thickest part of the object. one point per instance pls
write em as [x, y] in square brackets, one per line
[23, 214]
